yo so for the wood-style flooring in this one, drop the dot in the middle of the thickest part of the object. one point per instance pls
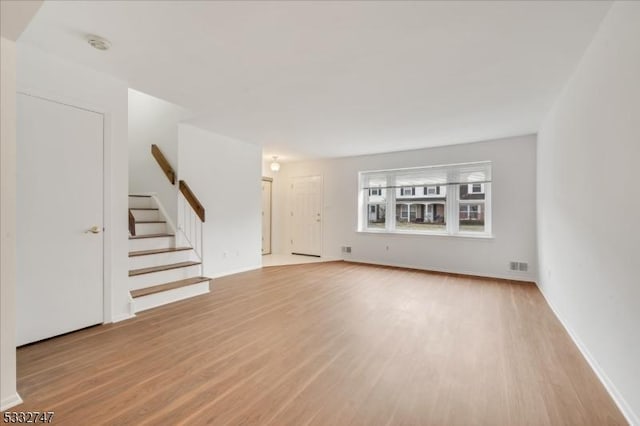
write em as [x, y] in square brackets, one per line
[324, 344]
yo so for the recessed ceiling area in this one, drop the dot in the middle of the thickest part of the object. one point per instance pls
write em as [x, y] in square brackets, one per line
[328, 79]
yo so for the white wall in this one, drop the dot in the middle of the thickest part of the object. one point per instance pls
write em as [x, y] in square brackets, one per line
[513, 198]
[266, 169]
[14, 17]
[153, 121]
[8, 394]
[589, 205]
[225, 176]
[51, 77]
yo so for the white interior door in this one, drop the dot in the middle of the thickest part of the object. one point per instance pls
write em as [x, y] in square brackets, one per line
[59, 203]
[306, 215]
[266, 216]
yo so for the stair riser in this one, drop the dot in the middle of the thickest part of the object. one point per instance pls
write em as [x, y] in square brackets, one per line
[161, 277]
[143, 202]
[148, 261]
[151, 228]
[151, 243]
[165, 297]
[146, 214]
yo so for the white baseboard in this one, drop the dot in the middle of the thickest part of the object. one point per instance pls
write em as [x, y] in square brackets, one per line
[235, 271]
[10, 401]
[618, 399]
[122, 317]
[507, 276]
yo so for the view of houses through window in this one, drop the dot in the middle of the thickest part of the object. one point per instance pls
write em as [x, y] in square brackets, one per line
[422, 209]
[442, 200]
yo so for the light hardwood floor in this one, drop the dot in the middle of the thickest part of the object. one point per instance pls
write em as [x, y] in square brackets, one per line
[325, 344]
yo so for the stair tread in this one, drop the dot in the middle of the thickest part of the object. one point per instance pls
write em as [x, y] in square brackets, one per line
[137, 237]
[151, 221]
[141, 271]
[167, 286]
[143, 208]
[157, 251]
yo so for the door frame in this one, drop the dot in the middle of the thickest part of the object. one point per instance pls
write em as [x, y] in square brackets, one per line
[270, 180]
[292, 179]
[107, 284]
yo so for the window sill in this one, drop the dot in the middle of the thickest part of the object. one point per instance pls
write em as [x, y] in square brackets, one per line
[429, 234]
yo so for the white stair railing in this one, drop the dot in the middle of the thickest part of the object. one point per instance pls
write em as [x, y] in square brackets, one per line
[190, 225]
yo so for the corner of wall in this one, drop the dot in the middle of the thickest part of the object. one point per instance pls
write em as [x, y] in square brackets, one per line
[8, 393]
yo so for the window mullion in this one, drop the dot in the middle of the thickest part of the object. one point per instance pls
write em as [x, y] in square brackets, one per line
[391, 203]
[487, 209]
[453, 223]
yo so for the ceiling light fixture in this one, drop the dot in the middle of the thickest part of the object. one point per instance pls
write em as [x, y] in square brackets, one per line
[98, 42]
[275, 166]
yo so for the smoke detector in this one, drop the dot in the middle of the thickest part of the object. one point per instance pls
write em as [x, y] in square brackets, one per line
[98, 42]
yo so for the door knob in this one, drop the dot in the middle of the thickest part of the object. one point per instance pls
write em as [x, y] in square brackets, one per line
[94, 230]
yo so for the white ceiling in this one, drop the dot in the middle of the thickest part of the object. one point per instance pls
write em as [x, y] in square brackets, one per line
[324, 79]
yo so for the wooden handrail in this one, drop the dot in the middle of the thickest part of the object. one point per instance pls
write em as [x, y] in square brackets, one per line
[164, 164]
[132, 224]
[193, 201]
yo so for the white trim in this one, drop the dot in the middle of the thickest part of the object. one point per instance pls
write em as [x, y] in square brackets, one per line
[10, 401]
[432, 166]
[451, 201]
[478, 236]
[507, 276]
[617, 397]
[237, 271]
[123, 317]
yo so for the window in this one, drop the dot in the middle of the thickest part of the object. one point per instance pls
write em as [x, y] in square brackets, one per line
[470, 212]
[431, 190]
[472, 208]
[376, 204]
[476, 188]
[407, 191]
[446, 200]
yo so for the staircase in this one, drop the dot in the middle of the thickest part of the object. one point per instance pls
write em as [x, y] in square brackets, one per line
[159, 271]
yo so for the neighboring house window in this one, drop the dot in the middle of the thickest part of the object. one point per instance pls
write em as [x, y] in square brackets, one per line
[449, 201]
[470, 211]
[431, 190]
[476, 188]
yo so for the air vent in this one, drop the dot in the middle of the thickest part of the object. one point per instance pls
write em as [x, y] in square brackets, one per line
[518, 266]
[346, 249]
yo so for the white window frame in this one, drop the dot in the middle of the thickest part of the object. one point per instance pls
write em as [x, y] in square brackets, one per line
[451, 194]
